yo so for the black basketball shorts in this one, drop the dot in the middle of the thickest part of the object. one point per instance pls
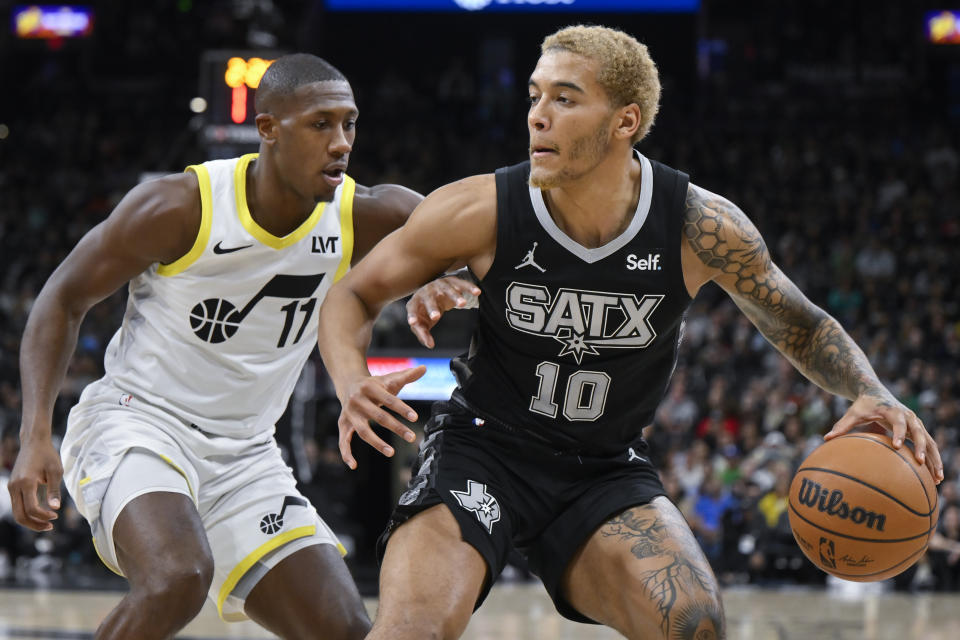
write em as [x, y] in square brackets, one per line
[507, 490]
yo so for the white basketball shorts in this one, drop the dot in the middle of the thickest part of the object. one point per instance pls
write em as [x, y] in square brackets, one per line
[118, 448]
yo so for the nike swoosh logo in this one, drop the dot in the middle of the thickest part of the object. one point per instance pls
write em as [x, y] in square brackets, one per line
[217, 249]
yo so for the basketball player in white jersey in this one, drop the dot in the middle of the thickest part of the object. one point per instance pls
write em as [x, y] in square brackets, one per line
[171, 456]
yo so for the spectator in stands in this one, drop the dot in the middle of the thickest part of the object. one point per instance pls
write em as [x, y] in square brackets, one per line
[712, 502]
[945, 550]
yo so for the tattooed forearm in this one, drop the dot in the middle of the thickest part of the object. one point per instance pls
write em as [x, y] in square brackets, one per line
[834, 361]
[724, 239]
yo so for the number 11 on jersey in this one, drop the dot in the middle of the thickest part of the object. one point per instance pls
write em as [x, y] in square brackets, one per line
[584, 399]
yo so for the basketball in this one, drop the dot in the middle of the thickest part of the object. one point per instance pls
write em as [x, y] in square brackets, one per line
[860, 509]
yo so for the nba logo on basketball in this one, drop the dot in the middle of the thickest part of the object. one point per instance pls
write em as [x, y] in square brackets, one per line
[827, 553]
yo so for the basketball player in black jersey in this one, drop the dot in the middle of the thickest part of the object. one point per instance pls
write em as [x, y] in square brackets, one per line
[587, 257]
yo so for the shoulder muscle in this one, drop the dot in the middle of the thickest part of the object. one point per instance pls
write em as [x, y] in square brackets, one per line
[377, 212]
[721, 243]
[156, 221]
[453, 226]
[457, 221]
[160, 218]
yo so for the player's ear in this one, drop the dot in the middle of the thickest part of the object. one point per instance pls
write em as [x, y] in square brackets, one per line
[627, 121]
[267, 127]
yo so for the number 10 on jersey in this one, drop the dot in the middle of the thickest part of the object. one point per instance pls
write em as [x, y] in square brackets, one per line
[583, 400]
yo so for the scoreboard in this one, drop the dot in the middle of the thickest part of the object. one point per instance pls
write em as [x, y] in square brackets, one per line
[228, 84]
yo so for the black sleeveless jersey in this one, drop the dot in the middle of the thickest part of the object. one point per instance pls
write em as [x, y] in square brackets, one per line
[576, 346]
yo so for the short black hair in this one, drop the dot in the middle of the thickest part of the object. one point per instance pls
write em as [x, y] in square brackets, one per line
[287, 73]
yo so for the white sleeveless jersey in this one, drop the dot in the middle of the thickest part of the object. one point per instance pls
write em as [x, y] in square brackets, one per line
[220, 336]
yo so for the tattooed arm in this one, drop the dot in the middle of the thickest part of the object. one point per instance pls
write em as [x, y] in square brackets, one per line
[721, 244]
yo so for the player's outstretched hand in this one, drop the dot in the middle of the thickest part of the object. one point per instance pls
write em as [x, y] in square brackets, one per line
[368, 398]
[35, 485]
[895, 417]
[434, 299]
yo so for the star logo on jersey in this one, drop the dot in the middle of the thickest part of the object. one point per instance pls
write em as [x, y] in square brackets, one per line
[576, 344]
[582, 321]
[481, 503]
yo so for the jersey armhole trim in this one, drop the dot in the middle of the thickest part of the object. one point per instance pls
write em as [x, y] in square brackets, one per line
[676, 230]
[238, 571]
[501, 179]
[346, 226]
[206, 221]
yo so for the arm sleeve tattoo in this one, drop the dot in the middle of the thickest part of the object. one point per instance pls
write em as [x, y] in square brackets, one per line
[725, 240]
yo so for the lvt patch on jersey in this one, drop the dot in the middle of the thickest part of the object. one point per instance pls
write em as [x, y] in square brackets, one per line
[481, 503]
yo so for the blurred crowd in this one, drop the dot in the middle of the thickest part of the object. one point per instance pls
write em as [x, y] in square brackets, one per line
[857, 199]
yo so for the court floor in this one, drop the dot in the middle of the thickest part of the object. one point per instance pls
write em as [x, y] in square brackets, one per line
[523, 612]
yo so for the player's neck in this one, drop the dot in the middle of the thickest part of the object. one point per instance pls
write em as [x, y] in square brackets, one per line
[277, 209]
[599, 205]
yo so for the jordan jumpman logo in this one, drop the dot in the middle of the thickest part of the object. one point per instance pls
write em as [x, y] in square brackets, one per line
[528, 260]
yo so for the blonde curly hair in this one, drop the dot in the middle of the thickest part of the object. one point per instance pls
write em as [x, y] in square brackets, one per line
[627, 73]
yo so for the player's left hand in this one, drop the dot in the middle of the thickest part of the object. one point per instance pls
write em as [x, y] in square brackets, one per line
[893, 416]
[433, 299]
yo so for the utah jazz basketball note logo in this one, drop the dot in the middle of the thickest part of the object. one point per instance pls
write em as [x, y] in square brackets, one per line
[214, 320]
[273, 522]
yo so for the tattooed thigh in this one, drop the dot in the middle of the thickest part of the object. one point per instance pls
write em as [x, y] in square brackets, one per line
[643, 573]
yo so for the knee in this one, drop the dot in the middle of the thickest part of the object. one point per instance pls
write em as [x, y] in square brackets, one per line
[699, 616]
[695, 614]
[355, 626]
[179, 589]
[350, 625]
[413, 625]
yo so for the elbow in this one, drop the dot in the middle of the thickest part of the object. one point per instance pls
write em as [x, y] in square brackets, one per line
[55, 304]
[342, 301]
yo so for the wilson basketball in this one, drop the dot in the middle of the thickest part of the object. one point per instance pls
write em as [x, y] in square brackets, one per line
[862, 510]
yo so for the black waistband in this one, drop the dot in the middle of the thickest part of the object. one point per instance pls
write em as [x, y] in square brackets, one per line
[556, 448]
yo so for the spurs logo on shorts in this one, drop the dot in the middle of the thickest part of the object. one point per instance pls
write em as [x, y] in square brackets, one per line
[215, 320]
[476, 499]
[273, 522]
